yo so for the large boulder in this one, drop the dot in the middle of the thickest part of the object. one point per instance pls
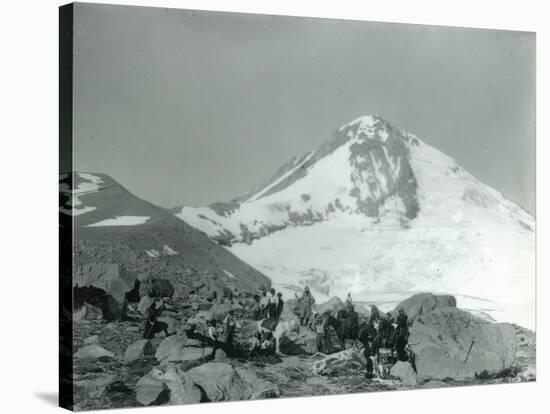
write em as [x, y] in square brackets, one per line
[220, 310]
[405, 372]
[154, 287]
[221, 382]
[451, 343]
[303, 343]
[93, 351]
[176, 348]
[167, 385]
[138, 350]
[332, 305]
[423, 303]
[104, 284]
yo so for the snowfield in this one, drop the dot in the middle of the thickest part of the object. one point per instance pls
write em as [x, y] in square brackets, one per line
[380, 214]
[121, 221]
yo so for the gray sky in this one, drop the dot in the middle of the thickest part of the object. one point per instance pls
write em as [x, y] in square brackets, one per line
[187, 107]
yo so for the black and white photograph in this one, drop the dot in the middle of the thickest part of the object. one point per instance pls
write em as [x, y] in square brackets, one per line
[258, 206]
[267, 207]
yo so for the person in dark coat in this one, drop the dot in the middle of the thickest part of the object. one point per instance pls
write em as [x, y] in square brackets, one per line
[152, 324]
[280, 305]
[365, 337]
[273, 301]
[401, 335]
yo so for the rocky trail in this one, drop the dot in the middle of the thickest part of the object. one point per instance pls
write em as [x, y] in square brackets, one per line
[115, 367]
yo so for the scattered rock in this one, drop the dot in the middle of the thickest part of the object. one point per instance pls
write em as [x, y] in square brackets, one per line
[433, 384]
[150, 389]
[449, 342]
[175, 349]
[144, 304]
[139, 350]
[220, 356]
[91, 339]
[261, 389]
[219, 311]
[405, 372]
[87, 312]
[221, 382]
[339, 363]
[204, 306]
[170, 322]
[161, 288]
[132, 329]
[93, 351]
[93, 387]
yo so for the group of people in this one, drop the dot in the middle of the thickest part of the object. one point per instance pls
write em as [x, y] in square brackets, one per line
[268, 304]
[384, 338]
[381, 335]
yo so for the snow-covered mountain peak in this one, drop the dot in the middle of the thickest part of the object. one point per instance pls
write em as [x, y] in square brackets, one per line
[378, 212]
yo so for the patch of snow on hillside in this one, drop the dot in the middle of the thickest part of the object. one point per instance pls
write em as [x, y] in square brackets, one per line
[153, 253]
[228, 273]
[169, 251]
[121, 221]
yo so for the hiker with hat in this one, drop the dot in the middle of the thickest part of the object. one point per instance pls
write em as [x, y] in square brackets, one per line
[307, 301]
[230, 325]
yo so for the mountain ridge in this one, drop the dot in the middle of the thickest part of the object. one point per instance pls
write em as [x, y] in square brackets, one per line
[377, 212]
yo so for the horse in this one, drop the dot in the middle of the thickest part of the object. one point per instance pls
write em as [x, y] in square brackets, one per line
[282, 328]
[346, 325]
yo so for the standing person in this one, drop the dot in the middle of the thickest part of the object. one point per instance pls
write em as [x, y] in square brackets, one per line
[401, 335]
[272, 305]
[320, 331]
[280, 305]
[349, 302]
[264, 301]
[230, 324]
[255, 308]
[307, 301]
[152, 324]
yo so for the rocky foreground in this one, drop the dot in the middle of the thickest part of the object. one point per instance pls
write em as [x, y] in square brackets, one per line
[115, 367]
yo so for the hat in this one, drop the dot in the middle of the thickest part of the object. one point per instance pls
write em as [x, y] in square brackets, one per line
[279, 294]
[306, 289]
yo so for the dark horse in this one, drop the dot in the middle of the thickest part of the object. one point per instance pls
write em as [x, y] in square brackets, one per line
[345, 323]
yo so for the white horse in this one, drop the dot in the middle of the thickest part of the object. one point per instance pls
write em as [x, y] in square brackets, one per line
[283, 328]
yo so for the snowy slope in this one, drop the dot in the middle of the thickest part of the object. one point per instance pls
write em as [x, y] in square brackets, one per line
[378, 213]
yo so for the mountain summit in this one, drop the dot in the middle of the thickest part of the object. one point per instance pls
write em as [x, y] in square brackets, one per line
[377, 212]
